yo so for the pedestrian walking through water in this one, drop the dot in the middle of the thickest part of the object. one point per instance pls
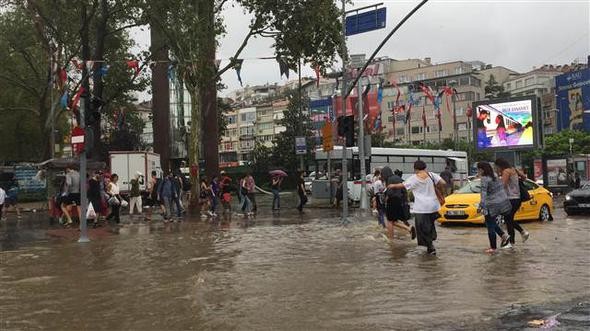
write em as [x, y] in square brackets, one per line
[276, 190]
[493, 204]
[301, 191]
[510, 176]
[397, 208]
[424, 186]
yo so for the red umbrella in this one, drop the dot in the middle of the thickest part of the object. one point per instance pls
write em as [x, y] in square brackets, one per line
[279, 173]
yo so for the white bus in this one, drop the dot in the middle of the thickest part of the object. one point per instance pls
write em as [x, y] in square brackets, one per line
[396, 158]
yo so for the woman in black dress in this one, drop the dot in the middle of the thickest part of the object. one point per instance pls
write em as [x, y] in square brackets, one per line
[397, 209]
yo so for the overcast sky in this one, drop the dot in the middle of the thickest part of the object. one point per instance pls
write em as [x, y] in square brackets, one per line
[515, 34]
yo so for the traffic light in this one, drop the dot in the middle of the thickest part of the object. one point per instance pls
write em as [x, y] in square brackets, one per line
[346, 129]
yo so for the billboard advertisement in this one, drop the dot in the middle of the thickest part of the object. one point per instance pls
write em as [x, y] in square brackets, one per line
[505, 124]
[557, 173]
[573, 100]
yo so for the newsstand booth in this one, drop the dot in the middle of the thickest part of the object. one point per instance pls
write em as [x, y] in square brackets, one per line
[53, 170]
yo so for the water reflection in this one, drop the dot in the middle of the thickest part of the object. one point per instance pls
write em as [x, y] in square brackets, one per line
[285, 271]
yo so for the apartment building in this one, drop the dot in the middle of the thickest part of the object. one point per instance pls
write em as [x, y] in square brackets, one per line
[459, 75]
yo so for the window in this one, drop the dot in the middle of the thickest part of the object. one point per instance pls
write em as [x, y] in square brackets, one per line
[464, 81]
[462, 126]
[403, 79]
[460, 111]
[416, 129]
[243, 117]
[529, 81]
[458, 70]
[400, 117]
[421, 76]
[475, 81]
[440, 73]
[379, 159]
[390, 105]
[390, 119]
[518, 83]
[508, 86]
[400, 132]
[231, 119]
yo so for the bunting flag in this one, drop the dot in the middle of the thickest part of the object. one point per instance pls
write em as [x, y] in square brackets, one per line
[64, 100]
[77, 65]
[448, 91]
[170, 72]
[63, 76]
[103, 70]
[238, 68]
[399, 93]
[76, 98]
[283, 67]
[379, 93]
[134, 64]
[427, 91]
[377, 124]
[393, 127]
[89, 65]
[317, 75]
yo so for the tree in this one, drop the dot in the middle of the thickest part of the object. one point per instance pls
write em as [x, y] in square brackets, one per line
[297, 124]
[307, 30]
[37, 31]
[494, 89]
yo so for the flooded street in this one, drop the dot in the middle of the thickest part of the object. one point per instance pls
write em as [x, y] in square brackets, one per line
[288, 272]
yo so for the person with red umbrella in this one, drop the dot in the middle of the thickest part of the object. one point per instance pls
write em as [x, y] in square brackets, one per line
[276, 189]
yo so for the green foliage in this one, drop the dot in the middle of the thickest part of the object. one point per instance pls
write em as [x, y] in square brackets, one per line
[494, 89]
[33, 32]
[297, 124]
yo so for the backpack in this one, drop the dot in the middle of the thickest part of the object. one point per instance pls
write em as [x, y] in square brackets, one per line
[186, 183]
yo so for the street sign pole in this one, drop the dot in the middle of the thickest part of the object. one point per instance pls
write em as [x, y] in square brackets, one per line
[344, 95]
[83, 196]
[361, 144]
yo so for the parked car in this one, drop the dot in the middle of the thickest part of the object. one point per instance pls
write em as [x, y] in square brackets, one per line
[578, 201]
[309, 179]
[461, 206]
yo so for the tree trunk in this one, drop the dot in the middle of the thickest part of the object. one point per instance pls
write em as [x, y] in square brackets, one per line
[194, 144]
[208, 87]
[160, 94]
[101, 31]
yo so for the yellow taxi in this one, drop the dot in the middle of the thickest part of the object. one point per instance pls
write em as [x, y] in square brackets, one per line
[461, 206]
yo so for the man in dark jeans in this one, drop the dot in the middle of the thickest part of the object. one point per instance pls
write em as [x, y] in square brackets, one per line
[301, 191]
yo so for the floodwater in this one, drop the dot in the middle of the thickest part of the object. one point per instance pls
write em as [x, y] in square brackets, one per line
[289, 272]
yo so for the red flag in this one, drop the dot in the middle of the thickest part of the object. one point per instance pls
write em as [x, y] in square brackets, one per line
[448, 91]
[76, 98]
[63, 76]
[427, 91]
[133, 64]
[398, 92]
[317, 75]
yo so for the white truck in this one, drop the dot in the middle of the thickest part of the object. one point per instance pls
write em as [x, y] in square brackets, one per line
[127, 164]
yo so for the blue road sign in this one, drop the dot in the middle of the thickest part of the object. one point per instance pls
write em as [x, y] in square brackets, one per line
[367, 21]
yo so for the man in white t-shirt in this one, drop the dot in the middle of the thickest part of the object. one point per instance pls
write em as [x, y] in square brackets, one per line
[378, 189]
[426, 205]
[2, 199]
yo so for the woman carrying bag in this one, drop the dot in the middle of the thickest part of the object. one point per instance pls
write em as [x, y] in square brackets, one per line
[427, 188]
[493, 204]
[114, 199]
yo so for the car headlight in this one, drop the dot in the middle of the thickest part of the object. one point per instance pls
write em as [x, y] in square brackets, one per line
[568, 197]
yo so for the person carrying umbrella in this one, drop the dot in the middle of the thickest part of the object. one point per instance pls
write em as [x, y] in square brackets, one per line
[276, 180]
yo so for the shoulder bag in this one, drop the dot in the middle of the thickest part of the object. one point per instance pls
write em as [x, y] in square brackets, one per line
[439, 195]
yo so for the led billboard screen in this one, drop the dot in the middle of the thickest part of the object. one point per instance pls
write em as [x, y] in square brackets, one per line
[505, 124]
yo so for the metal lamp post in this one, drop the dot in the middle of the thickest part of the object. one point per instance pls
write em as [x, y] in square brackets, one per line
[453, 83]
